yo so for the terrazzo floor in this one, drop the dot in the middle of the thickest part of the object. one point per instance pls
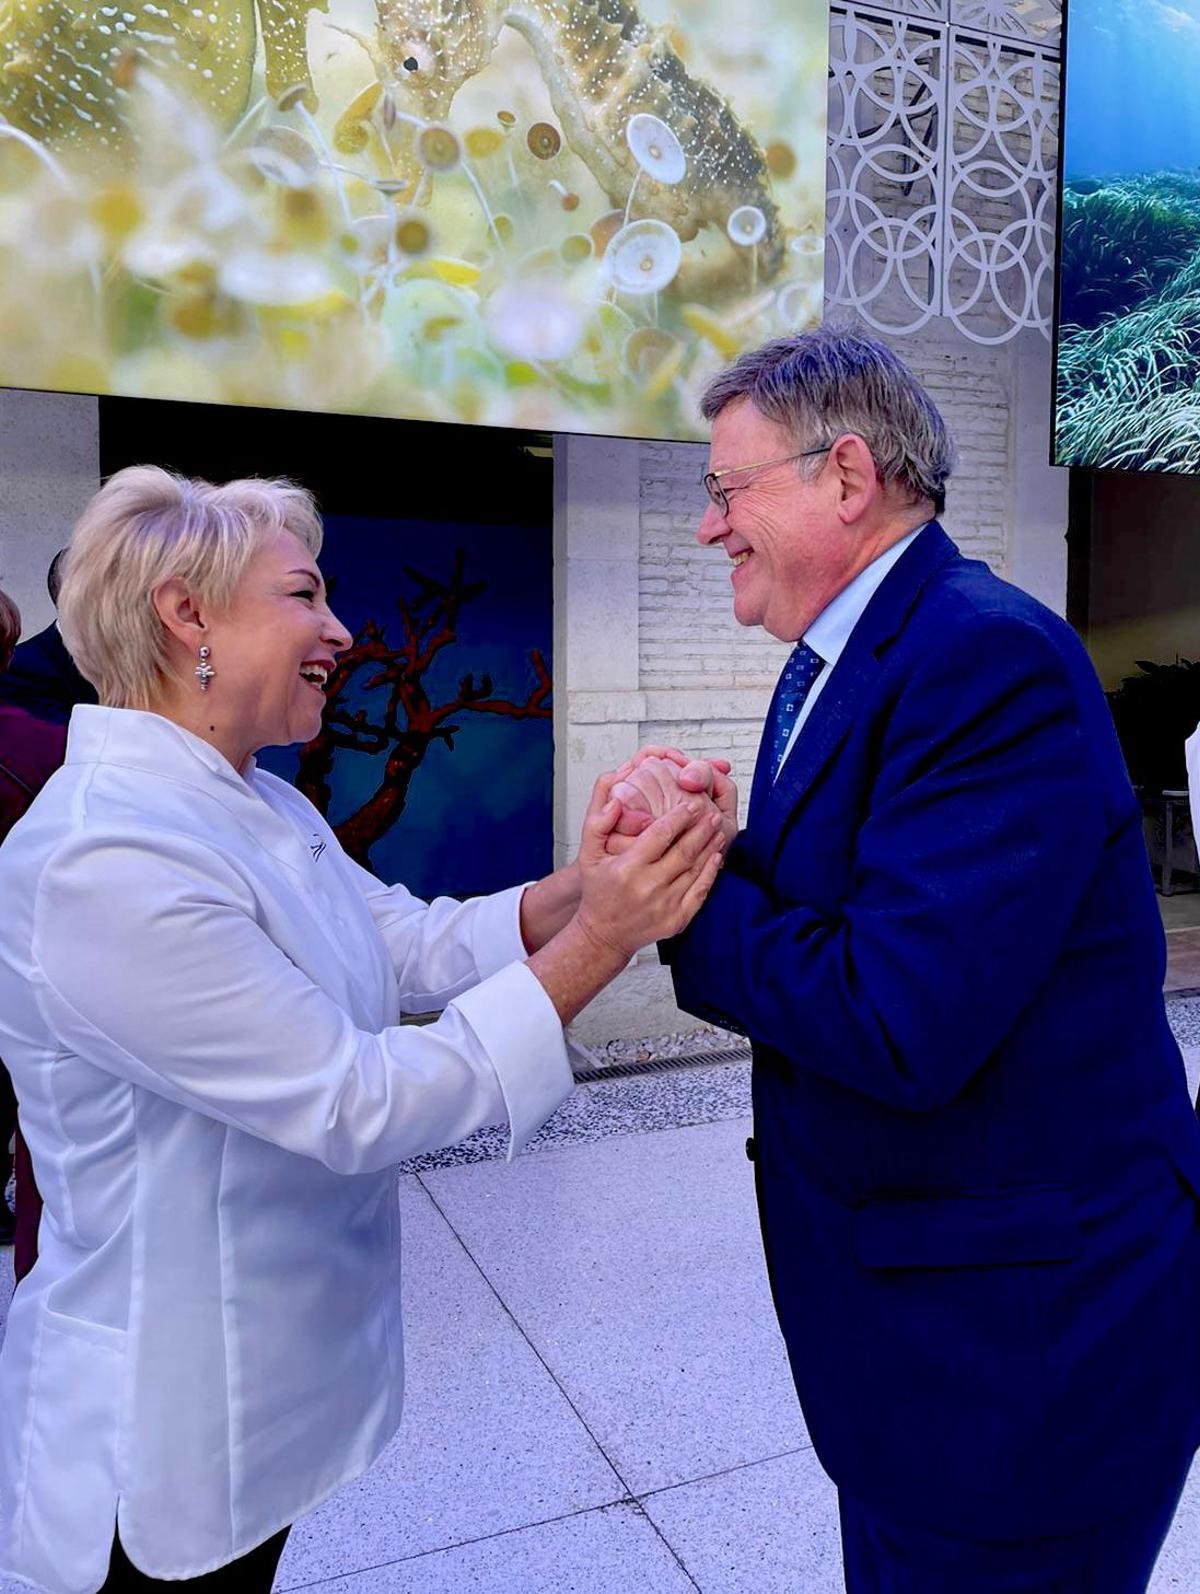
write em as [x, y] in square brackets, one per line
[598, 1398]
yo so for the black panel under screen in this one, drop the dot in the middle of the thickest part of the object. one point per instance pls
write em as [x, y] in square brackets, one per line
[356, 465]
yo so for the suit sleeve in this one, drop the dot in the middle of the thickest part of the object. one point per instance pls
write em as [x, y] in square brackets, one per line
[149, 962]
[985, 824]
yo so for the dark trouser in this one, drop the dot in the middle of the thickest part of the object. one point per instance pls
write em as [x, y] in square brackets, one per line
[23, 1233]
[8, 1128]
[29, 1213]
[252, 1573]
[883, 1556]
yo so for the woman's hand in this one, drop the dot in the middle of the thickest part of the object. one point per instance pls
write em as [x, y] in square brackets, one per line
[648, 891]
[652, 888]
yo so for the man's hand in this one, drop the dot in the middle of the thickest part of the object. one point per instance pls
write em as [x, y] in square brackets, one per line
[651, 890]
[656, 778]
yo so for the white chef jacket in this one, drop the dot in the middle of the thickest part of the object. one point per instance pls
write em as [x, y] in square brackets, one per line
[199, 995]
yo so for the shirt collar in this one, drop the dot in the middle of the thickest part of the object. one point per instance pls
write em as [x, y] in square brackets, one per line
[139, 740]
[830, 631]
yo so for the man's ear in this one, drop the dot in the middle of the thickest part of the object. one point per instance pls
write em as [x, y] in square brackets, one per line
[858, 480]
[176, 607]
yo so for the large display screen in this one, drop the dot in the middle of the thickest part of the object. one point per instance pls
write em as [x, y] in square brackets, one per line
[554, 214]
[1128, 325]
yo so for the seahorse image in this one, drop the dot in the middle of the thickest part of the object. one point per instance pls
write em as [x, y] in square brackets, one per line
[602, 64]
[67, 70]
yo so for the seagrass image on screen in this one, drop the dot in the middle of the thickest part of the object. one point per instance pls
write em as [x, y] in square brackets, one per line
[555, 214]
[1128, 353]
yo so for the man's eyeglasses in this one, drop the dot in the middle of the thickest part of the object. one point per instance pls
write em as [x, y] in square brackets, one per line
[720, 495]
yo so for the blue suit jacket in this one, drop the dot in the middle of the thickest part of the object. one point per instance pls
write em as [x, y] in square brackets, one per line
[43, 679]
[976, 1158]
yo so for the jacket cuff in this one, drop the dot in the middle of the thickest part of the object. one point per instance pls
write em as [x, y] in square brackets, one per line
[518, 1026]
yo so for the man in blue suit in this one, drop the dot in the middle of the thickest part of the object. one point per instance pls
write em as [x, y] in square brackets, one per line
[977, 1164]
[42, 679]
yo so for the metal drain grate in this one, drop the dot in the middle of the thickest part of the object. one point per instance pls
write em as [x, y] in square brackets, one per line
[664, 1065]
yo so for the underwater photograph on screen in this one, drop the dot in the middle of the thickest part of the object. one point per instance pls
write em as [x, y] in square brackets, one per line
[554, 214]
[1128, 356]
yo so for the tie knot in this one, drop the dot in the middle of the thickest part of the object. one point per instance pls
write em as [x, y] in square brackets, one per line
[805, 663]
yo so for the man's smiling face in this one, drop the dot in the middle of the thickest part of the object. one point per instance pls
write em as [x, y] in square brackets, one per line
[792, 553]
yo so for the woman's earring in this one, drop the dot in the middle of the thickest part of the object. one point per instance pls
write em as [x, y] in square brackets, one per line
[204, 670]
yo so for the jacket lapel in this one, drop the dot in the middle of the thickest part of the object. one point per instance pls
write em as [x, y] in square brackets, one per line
[773, 803]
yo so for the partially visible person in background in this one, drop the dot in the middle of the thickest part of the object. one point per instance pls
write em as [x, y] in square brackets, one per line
[42, 678]
[1191, 757]
[30, 749]
[10, 630]
[39, 686]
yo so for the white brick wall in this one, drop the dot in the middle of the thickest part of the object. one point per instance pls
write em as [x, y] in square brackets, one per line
[687, 636]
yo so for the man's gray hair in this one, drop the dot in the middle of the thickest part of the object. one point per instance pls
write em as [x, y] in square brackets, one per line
[819, 385]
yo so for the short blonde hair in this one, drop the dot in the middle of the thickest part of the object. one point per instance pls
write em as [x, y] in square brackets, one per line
[10, 629]
[144, 526]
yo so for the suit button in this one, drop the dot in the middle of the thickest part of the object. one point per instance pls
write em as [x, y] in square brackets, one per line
[751, 1149]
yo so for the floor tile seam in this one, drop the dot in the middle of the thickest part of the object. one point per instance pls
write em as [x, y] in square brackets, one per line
[723, 1472]
[508, 1312]
[465, 1544]
[666, 1544]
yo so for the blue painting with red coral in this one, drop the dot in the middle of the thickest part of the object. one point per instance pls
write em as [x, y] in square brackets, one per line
[435, 763]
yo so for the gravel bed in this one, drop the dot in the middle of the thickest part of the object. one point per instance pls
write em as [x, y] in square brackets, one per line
[681, 1043]
[677, 1100]
[1183, 1014]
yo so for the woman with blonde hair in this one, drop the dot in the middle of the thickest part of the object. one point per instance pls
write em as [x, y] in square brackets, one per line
[200, 998]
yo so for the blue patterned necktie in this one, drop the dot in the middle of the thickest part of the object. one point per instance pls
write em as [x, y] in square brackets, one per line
[799, 673]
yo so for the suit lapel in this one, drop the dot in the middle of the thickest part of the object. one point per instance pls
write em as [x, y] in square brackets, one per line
[853, 679]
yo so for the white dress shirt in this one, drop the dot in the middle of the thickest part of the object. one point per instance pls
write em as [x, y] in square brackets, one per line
[199, 996]
[1191, 756]
[830, 631]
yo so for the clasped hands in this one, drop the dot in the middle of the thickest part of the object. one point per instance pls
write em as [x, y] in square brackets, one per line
[652, 845]
[657, 779]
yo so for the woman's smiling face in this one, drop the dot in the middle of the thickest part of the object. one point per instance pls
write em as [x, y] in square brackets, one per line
[272, 648]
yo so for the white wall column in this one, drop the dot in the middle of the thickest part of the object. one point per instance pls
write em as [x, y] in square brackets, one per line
[1037, 513]
[49, 468]
[597, 704]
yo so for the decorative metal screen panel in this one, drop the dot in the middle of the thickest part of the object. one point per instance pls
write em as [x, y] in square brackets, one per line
[1034, 21]
[886, 179]
[1000, 188]
[942, 161]
[916, 8]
